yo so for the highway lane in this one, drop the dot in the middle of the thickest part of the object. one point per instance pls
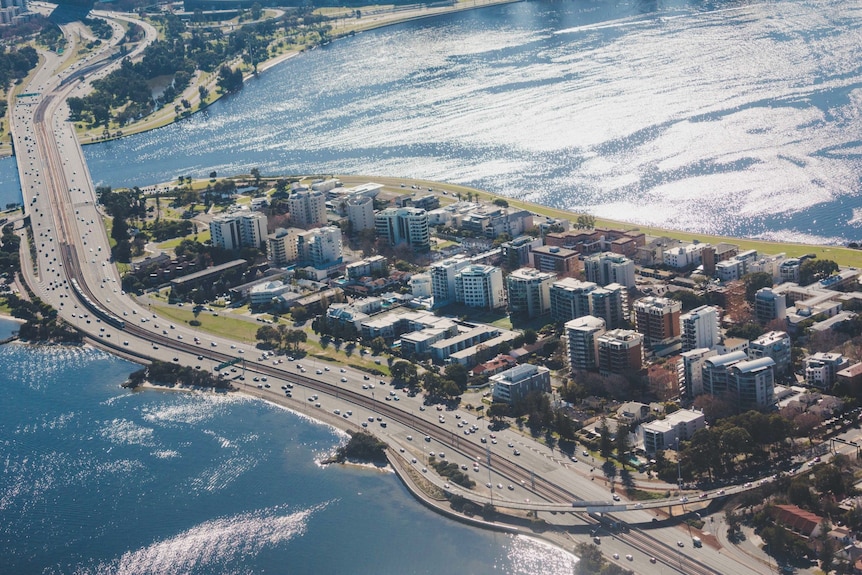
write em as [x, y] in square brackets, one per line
[72, 244]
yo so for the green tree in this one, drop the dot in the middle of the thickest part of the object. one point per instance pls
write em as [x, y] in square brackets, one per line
[754, 282]
[403, 372]
[378, 345]
[458, 374]
[622, 444]
[605, 442]
[813, 270]
[530, 336]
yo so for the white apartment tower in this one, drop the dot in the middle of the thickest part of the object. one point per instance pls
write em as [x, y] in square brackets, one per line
[443, 278]
[307, 208]
[699, 328]
[320, 247]
[607, 267]
[529, 291]
[480, 286]
[281, 246]
[404, 225]
[238, 230]
[360, 212]
[582, 342]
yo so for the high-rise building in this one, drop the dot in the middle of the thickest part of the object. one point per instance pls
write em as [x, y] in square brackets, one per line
[480, 286]
[619, 351]
[320, 248]
[238, 230]
[691, 371]
[529, 291]
[606, 268]
[582, 336]
[714, 371]
[404, 225]
[570, 298]
[774, 344]
[281, 246]
[561, 261]
[516, 253]
[443, 275]
[769, 305]
[611, 303]
[360, 213]
[699, 328]
[657, 318]
[752, 383]
[307, 208]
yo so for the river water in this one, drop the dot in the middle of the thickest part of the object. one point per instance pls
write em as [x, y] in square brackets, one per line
[729, 117]
[97, 479]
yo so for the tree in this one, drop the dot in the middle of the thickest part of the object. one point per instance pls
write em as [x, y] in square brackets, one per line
[530, 336]
[458, 374]
[754, 282]
[622, 444]
[404, 372]
[813, 270]
[255, 173]
[605, 442]
[378, 345]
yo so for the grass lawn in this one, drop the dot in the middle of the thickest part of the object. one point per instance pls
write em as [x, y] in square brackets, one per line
[173, 243]
[221, 325]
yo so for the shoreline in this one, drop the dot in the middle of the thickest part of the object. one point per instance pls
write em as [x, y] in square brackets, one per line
[555, 536]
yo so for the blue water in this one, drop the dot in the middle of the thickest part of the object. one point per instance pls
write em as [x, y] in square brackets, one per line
[98, 479]
[727, 116]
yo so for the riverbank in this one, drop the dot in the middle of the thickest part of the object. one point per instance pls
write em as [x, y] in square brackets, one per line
[843, 256]
[342, 27]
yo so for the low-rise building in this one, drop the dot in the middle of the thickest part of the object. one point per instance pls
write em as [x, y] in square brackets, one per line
[561, 261]
[663, 434]
[514, 384]
[821, 369]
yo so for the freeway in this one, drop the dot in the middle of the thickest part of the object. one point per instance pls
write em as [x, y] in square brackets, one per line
[73, 272]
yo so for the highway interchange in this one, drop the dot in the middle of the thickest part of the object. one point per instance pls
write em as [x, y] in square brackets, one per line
[72, 249]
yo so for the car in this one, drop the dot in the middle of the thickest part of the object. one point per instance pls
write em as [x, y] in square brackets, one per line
[343, 370]
[319, 372]
[680, 544]
[683, 499]
[748, 484]
[413, 460]
[428, 438]
[176, 359]
[499, 486]
[510, 444]
[516, 452]
[409, 438]
[463, 467]
[364, 424]
[652, 560]
[370, 418]
[639, 506]
[616, 555]
[511, 487]
[616, 497]
[336, 411]
[343, 380]
[488, 485]
[585, 453]
[721, 492]
[630, 558]
[483, 440]
[325, 368]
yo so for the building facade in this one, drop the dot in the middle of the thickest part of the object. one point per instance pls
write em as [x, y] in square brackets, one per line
[657, 318]
[620, 351]
[443, 275]
[752, 383]
[360, 213]
[582, 345]
[514, 384]
[238, 230]
[529, 291]
[480, 286]
[307, 208]
[606, 268]
[774, 344]
[320, 248]
[563, 262]
[769, 305]
[700, 328]
[404, 225]
[281, 246]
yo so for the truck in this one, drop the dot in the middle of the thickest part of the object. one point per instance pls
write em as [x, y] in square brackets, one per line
[696, 541]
